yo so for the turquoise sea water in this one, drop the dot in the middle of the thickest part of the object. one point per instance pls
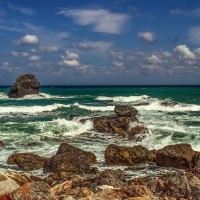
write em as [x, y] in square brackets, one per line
[40, 123]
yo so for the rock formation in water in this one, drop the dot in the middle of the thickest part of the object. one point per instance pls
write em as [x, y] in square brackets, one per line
[25, 85]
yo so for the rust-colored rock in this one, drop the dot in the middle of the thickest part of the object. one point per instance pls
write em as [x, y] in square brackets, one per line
[125, 111]
[118, 155]
[1, 144]
[70, 150]
[66, 163]
[25, 85]
[5, 197]
[180, 156]
[138, 133]
[112, 124]
[27, 161]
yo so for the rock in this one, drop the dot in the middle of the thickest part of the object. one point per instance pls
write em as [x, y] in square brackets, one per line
[125, 111]
[138, 133]
[118, 155]
[26, 161]
[1, 144]
[73, 116]
[62, 189]
[112, 124]
[25, 84]
[107, 194]
[7, 185]
[142, 104]
[5, 197]
[169, 104]
[83, 192]
[33, 191]
[66, 163]
[179, 156]
[70, 150]
[22, 178]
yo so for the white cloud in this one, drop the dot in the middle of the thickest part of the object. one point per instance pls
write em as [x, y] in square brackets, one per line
[71, 56]
[42, 49]
[147, 37]
[101, 20]
[5, 64]
[71, 63]
[85, 47]
[21, 9]
[197, 51]
[184, 51]
[118, 64]
[19, 54]
[194, 35]
[154, 59]
[177, 12]
[34, 58]
[27, 39]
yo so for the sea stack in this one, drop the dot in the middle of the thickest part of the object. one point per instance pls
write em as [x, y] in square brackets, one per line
[25, 85]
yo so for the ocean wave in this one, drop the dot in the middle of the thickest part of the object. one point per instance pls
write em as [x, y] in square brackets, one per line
[31, 109]
[122, 98]
[3, 95]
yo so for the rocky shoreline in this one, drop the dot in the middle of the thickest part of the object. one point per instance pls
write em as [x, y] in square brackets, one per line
[70, 173]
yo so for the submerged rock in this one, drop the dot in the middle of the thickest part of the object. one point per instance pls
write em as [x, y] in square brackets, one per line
[180, 156]
[26, 161]
[25, 85]
[130, 156]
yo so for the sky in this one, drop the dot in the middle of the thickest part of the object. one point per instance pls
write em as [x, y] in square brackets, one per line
[101, 42]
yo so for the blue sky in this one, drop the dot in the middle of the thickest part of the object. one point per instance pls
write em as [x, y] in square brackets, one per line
[107, 42]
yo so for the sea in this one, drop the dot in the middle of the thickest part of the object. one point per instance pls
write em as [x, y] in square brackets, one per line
[40, 123]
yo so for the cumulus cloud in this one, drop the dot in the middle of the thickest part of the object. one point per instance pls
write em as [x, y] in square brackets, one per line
[101, 20]
[71, 59]
[118, 64]
[34, 58]
[71, 63]
[184, 51]
[85, 47]
[194, 35]
[19, 54]
[23, 10]
[154, 59]
[147, 37]
[42, 49]
[177, 12]
[27, 39]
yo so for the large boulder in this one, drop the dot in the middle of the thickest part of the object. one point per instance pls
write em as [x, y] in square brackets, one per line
[112, 124]
[180, 156]
[125, 111]
[27, 161]
[25, 84]
[130, 156]
[70, 150]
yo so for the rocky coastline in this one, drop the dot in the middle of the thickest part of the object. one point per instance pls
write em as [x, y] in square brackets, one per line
[69, 174]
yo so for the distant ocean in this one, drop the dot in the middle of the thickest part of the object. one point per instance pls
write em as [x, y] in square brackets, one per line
[40, 123]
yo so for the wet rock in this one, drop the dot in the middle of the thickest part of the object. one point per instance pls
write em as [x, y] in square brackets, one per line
[112, 124]
[168, 104]
[33, 191]
[138, 133]
[22, 178]
[25, 85]
[73, 116]
[119, 155]
[70, 150]
[7, 185]
[142, 104]
[1, 144]
[27, 161]
[66, 163]
[125, 111]
[179, 156]
[5, 197]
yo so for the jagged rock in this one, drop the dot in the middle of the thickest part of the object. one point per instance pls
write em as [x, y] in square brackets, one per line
[70, 150]
[112, 124]
[25, 85]
[26, 161]
[119, 155]
[1, 144]
[180, 156]
[125, 111]
[7, 185]
[138, 133]
[66, 163]
[33, 191]
[22, 178]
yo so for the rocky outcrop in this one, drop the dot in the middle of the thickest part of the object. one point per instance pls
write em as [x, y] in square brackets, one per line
[25, 85]
[180, 156]
[70, 150]
[27, 161]
[130, 156]
[138, 133]
[125, 111]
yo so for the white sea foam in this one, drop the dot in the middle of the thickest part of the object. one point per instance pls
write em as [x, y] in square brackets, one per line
[95, 108]
[122, 98]
[30, 109]
[3, 95]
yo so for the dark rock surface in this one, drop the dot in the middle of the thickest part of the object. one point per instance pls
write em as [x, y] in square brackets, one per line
[130, 156]
[125, 111]
[25, 85]
[180, 156]
[1, 144]
[138, 133]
